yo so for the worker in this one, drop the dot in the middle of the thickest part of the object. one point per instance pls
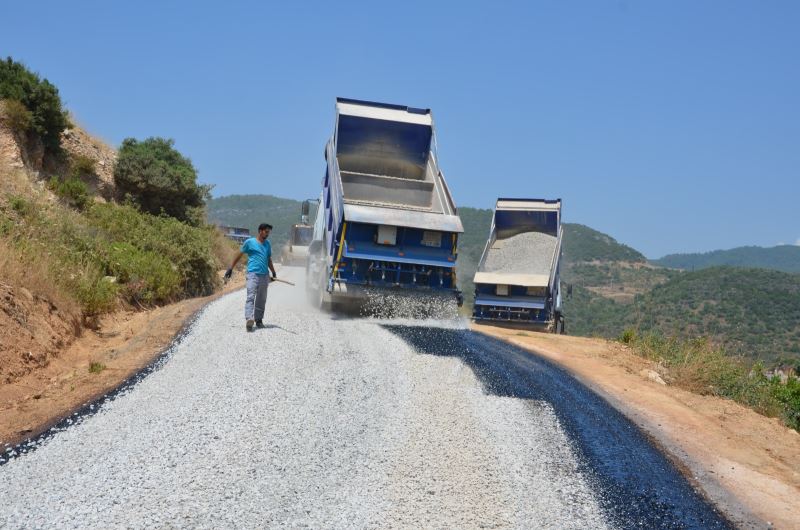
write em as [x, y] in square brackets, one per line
[259, 257]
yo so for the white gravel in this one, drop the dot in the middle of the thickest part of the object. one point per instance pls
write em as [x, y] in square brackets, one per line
[526, 253]
[314, 422]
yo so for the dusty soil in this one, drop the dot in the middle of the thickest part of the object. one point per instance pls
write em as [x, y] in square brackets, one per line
[33, 330]
[745, 463]
[48, 387]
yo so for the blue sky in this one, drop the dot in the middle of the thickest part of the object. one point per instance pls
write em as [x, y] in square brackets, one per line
[673, 126]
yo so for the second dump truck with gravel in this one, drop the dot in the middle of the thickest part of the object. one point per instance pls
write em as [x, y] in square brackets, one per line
[518, 278]
[386, 220]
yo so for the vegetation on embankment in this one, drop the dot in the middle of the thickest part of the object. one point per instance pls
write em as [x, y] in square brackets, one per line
[32, 105]
[698, 366]
[109, 253]
[62, 242]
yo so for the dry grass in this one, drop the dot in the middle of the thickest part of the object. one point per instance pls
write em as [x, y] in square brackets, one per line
[35, 275]
[699, 366]
[223, 248]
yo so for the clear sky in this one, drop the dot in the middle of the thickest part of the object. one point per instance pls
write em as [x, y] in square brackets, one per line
[674, 126]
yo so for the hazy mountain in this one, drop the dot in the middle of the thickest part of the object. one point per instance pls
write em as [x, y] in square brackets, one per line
[784, 258]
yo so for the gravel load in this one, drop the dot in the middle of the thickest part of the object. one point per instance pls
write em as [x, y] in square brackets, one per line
[526, 253]
[313, 422]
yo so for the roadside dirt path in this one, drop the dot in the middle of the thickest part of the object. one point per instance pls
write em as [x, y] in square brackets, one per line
[746, 464]
[125, 342]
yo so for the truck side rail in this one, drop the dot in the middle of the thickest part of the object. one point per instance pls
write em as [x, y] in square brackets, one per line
[556, 258]
[440, 175]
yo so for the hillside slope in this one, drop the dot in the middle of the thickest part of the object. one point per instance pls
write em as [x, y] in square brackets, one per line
[785, 258]
[582, 243]
[752, 312]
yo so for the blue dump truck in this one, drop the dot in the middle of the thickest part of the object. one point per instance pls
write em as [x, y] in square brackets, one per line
[386, 221]
[518, 276]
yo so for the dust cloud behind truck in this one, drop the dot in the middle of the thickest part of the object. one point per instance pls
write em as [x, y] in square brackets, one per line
[386, 219]
[295, 251]
[518, 278]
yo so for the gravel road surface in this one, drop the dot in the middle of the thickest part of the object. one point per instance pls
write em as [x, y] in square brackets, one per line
[347, 423]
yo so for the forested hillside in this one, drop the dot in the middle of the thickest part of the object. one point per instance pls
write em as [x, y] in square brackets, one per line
[752, 312]
[784, 258]
[582, 243]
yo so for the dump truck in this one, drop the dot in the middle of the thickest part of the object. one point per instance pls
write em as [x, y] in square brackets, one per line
[295, 251]
[518, 277]
[386, 219]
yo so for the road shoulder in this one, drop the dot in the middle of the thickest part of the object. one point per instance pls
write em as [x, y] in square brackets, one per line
[743, 462]
[125, 343]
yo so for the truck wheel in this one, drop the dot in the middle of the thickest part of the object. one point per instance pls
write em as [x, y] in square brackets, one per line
[558, 327]
[320, 292]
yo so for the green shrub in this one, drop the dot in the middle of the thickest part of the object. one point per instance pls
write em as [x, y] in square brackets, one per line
[188, 248]
[110, 252]
[20, 119]
[71, 189]
[95, 294]
[788, 396]
[20, 205]
[148, 276]
[96, 367]
[627, 336]
[81, 166]
[157, 178]
[47, 115]
[698, 366]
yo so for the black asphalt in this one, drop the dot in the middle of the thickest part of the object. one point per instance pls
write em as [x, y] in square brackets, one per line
[637, 485]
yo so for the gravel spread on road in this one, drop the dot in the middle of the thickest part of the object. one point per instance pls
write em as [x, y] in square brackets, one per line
[526, 253]
[315, 421]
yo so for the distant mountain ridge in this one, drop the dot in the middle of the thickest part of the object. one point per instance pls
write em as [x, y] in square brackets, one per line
[785, 258]
[582, 243]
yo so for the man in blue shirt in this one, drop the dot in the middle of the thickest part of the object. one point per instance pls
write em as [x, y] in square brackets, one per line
[259, 257]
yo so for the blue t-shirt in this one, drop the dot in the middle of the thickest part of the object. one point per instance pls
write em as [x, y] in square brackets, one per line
[258, 255]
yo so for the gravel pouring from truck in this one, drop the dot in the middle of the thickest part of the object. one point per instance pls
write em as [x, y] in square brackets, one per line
[386, 218]
[518, 278]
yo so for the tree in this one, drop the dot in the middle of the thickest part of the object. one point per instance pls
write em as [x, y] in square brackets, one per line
[157, 178]
[47, 116]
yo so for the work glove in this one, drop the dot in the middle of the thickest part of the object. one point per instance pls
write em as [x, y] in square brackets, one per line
[228, 274]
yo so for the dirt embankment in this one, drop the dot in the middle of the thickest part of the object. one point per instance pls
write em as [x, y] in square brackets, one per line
[32, 330]
[52, 383]
[745, 463]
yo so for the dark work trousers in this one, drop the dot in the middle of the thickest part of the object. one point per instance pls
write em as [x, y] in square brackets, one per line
[257, 285]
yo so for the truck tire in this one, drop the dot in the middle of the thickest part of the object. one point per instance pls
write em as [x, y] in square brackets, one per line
[558, 328]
